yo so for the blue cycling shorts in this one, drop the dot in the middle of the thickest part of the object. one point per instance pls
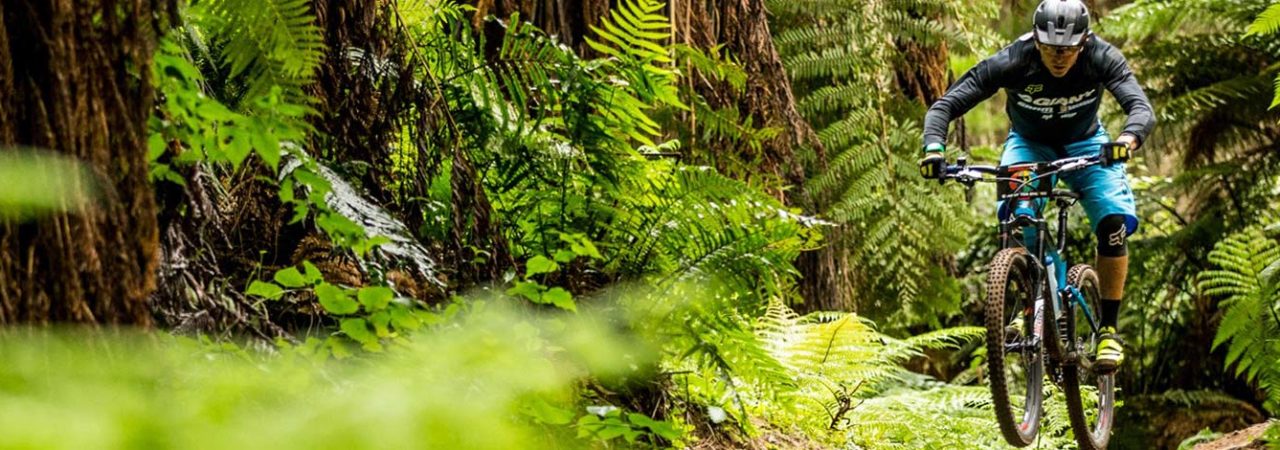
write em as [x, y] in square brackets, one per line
[1103, 191]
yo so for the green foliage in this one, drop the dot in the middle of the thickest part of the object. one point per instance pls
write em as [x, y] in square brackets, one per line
[208, 131]
[1205, 435]
[704, 127]
[1209, 174]
[564, 148]
[1248, 281]
[693, 224]
[34, 184]
[568, 153]
[1204, 78]
[1267, 23]
[370, 316]
[837, 360]
[485, 379]
[614, 424]
[269, 44]
[267, 69]
[829, 376]
[843, 57]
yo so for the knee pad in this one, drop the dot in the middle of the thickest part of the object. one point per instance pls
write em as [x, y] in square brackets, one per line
[1112, 234]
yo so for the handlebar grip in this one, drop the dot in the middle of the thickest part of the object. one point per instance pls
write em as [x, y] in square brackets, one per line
[1114, 152]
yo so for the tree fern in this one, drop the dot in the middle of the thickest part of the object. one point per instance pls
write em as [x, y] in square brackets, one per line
[1267, 23]
[266, 43]
[842, 58]
[1202, 75]
[1211, 85]
[1248, 280]
[694, 224]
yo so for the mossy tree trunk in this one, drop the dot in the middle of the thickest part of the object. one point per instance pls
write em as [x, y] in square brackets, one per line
[75, 79]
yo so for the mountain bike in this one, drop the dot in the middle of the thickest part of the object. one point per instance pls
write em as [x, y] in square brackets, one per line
[1042, 319]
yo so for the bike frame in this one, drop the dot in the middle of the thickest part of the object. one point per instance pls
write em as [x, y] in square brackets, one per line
[1051, 266]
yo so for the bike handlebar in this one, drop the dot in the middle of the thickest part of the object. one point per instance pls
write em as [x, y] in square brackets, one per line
[969, 174]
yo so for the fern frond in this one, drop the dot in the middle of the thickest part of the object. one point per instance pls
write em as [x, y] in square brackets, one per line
[1266, 23]
[268, 43]
[1251, 302]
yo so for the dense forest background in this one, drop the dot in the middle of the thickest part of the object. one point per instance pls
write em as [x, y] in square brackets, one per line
[597, 224]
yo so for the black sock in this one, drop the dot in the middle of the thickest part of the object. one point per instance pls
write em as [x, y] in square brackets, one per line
[1110, 312]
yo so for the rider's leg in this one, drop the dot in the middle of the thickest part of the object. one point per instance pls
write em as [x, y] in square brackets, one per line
[1112, 265]
[1107, 199]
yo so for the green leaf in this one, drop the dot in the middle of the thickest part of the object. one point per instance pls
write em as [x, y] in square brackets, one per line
[363, 247]
[405, 319]
[581, 245]
[544, 412]
[560, 298]
[338, 347]
[587, 425]
[268, 148]
[358, 330]
[335, 300]
[1275, 100]
[528, 290]
[375, 298]
[290, 277]
[540, 264]
[312, 273]
[564, 256]
[156, 146]
[665, 429]
[381, 322]
[269, 291]
[286, 190]
[237, 150]
[214, 111]
[338, 226]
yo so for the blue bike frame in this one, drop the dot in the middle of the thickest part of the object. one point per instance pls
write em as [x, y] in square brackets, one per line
[1027, 218]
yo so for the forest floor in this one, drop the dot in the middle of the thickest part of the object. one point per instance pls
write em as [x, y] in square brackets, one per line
[1239, 439]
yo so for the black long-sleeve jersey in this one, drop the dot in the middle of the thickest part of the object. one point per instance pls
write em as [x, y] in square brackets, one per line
[1043, 108]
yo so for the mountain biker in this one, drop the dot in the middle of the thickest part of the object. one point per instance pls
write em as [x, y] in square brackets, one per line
[1053, 78]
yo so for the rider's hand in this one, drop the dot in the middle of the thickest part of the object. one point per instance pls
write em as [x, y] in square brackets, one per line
[1112, 153]
[1129, 140]
[933, 163]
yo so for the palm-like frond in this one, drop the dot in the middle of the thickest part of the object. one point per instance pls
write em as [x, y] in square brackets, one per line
[843, 56]
[268, 43]
[850, 386]
[1268, 22]
[1248, 280]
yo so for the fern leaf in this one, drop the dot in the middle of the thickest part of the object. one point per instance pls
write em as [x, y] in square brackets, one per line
[1267, 22]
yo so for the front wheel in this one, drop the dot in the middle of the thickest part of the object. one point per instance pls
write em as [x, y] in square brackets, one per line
[1090, 397]
[1015, 360]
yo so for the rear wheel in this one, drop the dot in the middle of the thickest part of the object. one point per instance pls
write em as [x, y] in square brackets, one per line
[1015, 361]
[1090, 397]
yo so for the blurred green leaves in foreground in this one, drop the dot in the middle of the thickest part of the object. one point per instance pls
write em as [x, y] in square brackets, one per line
[484, 378]
[33, 183]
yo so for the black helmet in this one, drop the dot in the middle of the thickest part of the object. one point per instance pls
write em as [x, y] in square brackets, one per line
[1061, 22]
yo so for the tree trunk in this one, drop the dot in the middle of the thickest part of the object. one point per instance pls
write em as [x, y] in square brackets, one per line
[922, 75]
[742, 26]
[75, 79]
[570, 21]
